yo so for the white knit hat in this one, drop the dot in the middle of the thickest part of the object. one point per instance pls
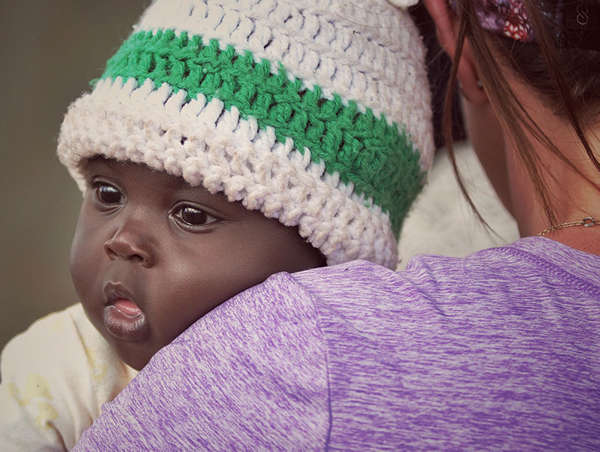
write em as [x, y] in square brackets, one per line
[315, 112]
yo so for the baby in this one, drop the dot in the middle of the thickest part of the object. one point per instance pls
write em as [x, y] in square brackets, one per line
[151, 254]
[226, 141]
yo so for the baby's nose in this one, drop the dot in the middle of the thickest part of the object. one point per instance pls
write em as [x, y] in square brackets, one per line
[129, 243]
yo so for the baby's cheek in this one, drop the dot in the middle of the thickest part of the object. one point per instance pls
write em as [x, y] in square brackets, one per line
[181, 299]
[84, 260]
[77, 274]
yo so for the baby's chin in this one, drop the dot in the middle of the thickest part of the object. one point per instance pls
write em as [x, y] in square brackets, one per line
[135, 355]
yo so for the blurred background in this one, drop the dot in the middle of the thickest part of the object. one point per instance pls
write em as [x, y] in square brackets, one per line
[50, 50]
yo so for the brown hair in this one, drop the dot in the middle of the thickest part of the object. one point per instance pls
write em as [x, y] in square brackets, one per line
[572, 94]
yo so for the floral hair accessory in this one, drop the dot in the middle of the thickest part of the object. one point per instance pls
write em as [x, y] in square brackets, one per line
[507, 17]
[575, 23]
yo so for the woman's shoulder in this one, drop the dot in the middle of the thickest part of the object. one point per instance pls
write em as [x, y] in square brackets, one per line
[529, 265]
[331, 356]
[501, 324]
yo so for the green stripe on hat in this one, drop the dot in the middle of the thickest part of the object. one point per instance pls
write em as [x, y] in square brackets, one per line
[378, 159]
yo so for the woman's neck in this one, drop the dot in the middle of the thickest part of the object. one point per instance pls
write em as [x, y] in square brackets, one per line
[573, 193]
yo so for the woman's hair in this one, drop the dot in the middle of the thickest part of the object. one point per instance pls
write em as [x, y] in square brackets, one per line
[565, 76]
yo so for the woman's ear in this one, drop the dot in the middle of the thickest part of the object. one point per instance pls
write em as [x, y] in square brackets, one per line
[446, 25]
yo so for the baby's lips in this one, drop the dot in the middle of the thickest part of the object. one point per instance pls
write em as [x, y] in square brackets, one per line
[128, 308]
[116, 292]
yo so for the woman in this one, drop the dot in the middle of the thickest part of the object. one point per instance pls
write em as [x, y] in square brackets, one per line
[496, 350]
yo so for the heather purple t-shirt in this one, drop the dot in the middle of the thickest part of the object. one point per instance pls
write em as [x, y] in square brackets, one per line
[500, 350]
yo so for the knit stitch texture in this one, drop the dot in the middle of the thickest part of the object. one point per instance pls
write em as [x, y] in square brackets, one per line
[305, 111]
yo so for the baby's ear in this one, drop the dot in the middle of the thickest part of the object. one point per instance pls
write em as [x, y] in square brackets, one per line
[446, 25]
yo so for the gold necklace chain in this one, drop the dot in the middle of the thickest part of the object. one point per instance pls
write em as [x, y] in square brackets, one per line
[586, 222]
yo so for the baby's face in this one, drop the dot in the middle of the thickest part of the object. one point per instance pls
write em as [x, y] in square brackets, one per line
[151, 254]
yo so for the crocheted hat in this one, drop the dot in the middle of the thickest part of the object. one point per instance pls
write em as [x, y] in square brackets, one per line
[317, 113]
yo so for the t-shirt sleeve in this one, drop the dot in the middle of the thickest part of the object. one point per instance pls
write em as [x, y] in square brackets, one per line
[26, 410]
[33, 409]
[251, 372]
[54, 377]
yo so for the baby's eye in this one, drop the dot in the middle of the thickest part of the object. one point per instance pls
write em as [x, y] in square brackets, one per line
[192, 217]
[108, 194]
